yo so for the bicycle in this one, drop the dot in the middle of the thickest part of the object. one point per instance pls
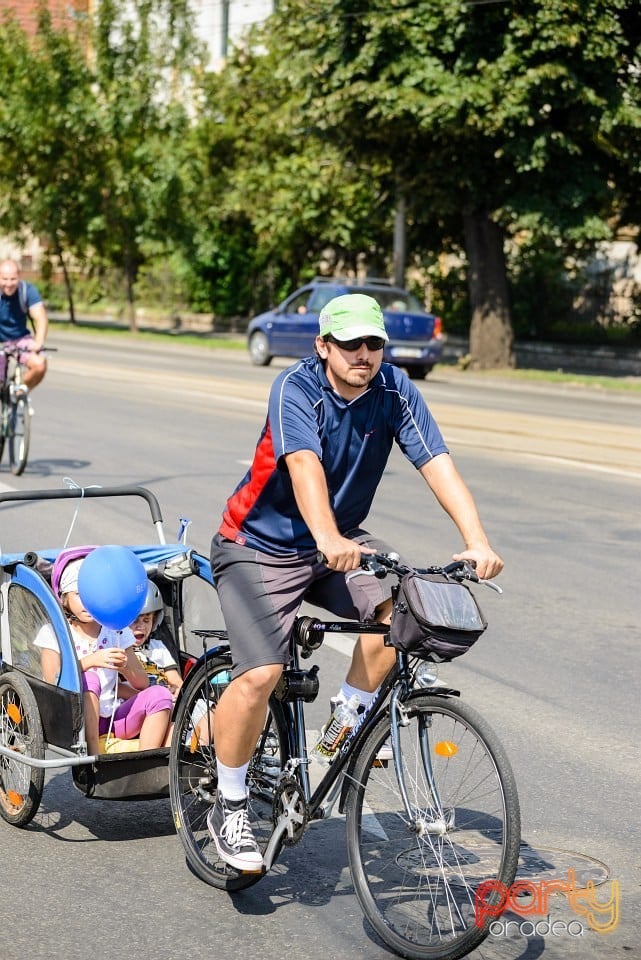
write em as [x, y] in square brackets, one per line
[15, 411]
[424, 830]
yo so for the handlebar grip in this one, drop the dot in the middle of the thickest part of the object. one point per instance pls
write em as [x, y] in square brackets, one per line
[462, 570]
[369, 562]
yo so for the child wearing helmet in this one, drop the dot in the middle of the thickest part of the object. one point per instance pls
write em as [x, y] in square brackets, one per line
[156, 659]
[104, 655]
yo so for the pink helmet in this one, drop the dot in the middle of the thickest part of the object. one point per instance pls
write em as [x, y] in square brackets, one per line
[63, 559]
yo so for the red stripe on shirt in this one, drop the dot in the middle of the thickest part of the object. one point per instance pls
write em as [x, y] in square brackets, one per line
[242, 502]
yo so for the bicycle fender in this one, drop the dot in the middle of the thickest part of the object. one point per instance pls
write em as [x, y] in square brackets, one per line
[220, 650]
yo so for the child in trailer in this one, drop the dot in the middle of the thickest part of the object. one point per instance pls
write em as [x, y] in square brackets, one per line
[104, 654]
[157, 661]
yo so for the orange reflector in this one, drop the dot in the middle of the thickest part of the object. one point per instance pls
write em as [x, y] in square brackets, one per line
[193, 743]
[445, 748]
[13, 712]
[16, 799]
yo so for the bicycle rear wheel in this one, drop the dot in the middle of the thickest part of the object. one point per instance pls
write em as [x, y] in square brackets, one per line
[19, 435]
[21, 786]
[416, 882]
[193, 779]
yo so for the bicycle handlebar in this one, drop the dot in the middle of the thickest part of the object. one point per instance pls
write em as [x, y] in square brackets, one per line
[382, 564]
[16, 351]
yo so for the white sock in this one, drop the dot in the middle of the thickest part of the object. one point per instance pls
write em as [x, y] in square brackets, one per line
[232, 781]
[347, 691]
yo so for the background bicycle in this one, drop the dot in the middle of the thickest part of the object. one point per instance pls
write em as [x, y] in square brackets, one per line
[424, 830]
[16, 410]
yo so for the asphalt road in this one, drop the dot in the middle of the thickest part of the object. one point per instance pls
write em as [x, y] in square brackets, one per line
[556, 475]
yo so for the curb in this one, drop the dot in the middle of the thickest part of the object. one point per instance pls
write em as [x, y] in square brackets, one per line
[566, 358]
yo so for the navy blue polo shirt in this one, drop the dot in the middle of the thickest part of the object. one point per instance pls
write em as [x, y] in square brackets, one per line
[352, 439]
[13, 319]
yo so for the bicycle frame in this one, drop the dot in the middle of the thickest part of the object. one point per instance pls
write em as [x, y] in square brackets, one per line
[11, 365]
[398, 684]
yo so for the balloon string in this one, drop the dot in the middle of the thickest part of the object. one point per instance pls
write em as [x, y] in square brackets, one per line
[72, 485]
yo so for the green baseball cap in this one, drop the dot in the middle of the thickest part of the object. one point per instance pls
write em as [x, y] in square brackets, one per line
[352, 315]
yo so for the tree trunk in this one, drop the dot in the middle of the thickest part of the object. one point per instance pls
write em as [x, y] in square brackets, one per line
[491, 334]
[67, 279]
[130, 279]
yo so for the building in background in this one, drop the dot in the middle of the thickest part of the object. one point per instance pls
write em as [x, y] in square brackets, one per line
[219, 23]
[64, 13]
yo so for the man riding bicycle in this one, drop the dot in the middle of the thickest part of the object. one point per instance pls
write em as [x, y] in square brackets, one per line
[331, 422]
[20, 301]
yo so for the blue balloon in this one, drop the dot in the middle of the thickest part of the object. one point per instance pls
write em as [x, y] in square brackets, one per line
[112, 584]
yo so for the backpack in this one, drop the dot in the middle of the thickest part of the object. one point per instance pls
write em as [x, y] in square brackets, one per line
[24, 306]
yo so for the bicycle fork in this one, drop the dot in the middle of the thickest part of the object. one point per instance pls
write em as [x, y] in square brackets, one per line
[436, 821]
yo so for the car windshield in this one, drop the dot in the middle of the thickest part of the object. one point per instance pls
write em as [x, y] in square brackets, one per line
[389, 298]
[399, 301]
[394, 299]
[320, 297]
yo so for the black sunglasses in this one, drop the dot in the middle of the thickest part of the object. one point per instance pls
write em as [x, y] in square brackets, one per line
[372, 343]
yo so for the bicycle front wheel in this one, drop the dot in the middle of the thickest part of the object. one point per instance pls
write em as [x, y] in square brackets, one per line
[19, 435]
[193, 778]
[4, 421]
[416, 876]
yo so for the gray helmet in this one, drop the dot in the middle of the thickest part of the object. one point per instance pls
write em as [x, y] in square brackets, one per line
[154, 604]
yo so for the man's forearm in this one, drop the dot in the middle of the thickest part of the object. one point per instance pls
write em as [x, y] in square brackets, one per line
[311, 493]
[41, 323]
[450, 490]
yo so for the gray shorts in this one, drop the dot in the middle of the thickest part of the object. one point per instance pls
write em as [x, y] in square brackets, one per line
[260, 596]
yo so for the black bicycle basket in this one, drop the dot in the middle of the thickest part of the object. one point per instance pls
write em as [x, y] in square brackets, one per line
[435, 617]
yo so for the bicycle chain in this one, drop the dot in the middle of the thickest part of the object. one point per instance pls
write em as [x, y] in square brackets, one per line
[288, 799]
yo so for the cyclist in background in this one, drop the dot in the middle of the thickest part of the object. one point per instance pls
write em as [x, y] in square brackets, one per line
[331, 423]
[20, 301]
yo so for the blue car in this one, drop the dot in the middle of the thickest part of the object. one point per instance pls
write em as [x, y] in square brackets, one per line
[289, 330]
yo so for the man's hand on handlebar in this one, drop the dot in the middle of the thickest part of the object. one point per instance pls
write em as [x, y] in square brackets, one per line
[339, 553]
[486, 562]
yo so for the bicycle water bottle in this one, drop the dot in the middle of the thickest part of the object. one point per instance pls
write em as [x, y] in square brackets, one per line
[338, 727]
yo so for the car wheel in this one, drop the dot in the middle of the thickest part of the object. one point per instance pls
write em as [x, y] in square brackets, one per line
[259, 350]
[418, 373]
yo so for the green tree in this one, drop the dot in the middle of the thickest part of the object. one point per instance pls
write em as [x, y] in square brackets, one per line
[51, 169]
[272, 195]
[489, 115]
[145, 56]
